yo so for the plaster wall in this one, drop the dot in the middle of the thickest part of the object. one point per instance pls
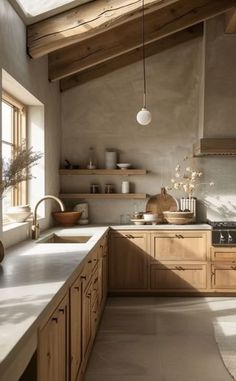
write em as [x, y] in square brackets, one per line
[191, 93]
[33, 75]
[102, 114]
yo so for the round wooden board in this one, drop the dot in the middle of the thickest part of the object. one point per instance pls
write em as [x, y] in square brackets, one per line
[160, 203]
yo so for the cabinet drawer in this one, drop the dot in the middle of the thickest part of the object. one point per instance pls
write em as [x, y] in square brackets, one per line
[223, 254]
[179, 246]
[223, 276]
[182, 277]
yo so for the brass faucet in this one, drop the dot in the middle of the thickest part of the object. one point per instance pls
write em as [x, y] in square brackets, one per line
[35, 226]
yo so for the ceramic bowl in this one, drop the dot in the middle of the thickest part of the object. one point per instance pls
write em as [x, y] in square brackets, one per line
[18, 213]
[178, 218]
[150, 217]
[124, 165]
[66, 218]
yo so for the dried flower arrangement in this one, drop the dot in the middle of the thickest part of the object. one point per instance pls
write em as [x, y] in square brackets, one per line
[186, 179]
[16, 170]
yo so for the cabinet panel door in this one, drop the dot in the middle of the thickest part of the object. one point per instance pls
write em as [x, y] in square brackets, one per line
[128, 261]
[86, 319]
[75, 328]
[53, 346]
[179, 246]
[184, 277]
[224, 276]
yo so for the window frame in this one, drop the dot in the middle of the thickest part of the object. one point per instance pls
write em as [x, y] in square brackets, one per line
[19, 133]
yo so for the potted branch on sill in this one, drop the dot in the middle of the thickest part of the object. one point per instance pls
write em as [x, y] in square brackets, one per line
[15, 171]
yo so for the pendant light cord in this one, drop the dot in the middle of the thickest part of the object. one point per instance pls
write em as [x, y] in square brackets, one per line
[144, 63]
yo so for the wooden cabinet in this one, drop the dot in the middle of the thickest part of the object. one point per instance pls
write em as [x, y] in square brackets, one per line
[223, 277]
[223, 269]
[86, 319]
[191, 277]
[53, 346]
[128, 261]
[159, 261]
[75, 328]
[179, 246]
[225, 254]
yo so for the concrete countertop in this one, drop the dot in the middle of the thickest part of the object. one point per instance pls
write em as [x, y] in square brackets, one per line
[32, 274]
[162, 227]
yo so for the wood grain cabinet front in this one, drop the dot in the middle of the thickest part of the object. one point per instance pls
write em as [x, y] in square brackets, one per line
[53, 346]
[176, 277]
[128, 261]
[179, 246]
[75, 328]
[223, 276]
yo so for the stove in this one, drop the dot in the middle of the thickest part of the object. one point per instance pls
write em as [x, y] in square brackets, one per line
[223, 233]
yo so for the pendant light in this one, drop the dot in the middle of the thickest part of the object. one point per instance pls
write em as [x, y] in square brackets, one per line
[144, 116]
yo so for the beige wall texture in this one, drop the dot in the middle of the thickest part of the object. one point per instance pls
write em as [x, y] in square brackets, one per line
[33, 75]
[102, 114]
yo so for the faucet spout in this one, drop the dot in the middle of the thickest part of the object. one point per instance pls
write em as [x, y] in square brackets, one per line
[35, 226]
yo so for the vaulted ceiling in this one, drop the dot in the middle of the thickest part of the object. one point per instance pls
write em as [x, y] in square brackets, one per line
[92, 39]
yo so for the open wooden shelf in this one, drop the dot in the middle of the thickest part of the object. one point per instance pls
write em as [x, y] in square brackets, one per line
[107, 172]
[100, 196]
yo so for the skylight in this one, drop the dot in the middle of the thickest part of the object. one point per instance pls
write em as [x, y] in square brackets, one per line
[32, 8]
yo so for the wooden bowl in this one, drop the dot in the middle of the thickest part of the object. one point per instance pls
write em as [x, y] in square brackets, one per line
[178, 218]
[66, 218]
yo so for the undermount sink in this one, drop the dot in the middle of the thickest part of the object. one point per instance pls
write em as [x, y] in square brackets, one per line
[54, 238]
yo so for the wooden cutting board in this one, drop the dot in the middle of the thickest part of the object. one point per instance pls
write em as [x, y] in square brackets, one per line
[160, 203]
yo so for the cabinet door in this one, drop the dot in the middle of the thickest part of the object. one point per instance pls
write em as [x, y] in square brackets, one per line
[223, 276]
[75, 328]
[104, 275]
[128, 261]
[179, 246]
[53, 346]
[86, 319]
[175, 277]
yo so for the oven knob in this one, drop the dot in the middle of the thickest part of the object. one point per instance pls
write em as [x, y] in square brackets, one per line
[230, 238]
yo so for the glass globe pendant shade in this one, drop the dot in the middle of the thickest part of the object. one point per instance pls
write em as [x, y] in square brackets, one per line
[144, 117]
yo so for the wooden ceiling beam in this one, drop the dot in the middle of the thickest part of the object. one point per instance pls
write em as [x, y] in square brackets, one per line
[124, 38]
[131, 57]
[230, 21]
[83, 22]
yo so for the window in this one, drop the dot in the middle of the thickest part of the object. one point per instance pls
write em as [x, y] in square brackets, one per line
[13, 135]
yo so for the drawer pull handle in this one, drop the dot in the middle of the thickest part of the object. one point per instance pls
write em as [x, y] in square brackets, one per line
[90, 261]
[83, 277]
[89, 295]
[62, 310]
[233, 267]
[101, 246]
[177, 236]
[76, 288]
[55, 319]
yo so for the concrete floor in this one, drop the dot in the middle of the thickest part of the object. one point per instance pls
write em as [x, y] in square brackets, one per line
[160, 339]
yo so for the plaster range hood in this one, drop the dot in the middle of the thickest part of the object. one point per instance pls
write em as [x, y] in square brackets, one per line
[215, 146]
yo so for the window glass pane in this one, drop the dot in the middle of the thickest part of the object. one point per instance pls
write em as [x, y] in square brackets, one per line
[7, 120]
[6, 151]
[7, 201]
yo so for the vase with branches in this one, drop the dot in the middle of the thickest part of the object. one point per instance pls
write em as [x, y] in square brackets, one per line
[15, 171]
[187, 179]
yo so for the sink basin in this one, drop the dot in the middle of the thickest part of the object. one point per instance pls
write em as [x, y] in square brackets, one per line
[54, 238]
